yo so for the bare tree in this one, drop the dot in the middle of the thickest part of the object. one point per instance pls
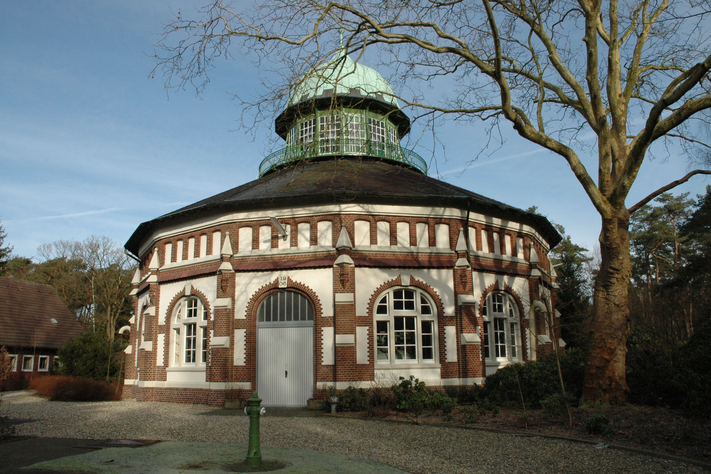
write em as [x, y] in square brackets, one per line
[629, 74]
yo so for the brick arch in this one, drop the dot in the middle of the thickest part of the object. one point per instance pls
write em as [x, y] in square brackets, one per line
[397, 281]
[181, 294]
[506, 289]
[273, 287]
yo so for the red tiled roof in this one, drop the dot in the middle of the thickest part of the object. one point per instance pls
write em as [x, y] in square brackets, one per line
[27, 311]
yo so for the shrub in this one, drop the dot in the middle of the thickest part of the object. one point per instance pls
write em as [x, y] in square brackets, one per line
[597, 424]
[353, 399]
[411, 396]
[73, 389]
[650, 371]
[381, 398]
[557, 404]
[87, 356]
[441, 401]
[536, 380]
[679, 377]
[693, 377]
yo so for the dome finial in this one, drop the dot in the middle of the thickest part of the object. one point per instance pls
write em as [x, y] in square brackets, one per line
[340, 31]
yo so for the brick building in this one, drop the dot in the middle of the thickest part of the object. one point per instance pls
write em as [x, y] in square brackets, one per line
[34, 323]
[343, 264]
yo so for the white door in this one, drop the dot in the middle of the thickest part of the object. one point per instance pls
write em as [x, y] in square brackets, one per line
[285, 350]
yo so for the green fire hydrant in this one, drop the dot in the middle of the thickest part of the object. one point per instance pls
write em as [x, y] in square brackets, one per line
[254, 452]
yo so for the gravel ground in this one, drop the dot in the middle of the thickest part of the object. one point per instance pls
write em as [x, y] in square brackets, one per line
[417, 449]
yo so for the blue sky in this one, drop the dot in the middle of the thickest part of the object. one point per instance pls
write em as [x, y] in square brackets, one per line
[89, 144]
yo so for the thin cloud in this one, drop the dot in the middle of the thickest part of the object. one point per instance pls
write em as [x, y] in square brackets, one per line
[69, 216]
[479, 164]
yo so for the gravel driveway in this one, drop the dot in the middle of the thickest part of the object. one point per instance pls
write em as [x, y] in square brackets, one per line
[417, 449]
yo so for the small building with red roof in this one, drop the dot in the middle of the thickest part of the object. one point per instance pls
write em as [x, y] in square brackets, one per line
[34, 324]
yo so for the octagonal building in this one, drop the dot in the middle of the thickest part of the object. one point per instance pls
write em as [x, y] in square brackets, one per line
[343, 264]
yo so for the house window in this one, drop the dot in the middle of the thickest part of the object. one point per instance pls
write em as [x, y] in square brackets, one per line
[291, 137]
[43, 364]
[377, 134]
[13, 362]
[502, 338]
[355, 133]
[306, 132]
[189, 328]
[405, 328]
[28, 363]
[330, 133]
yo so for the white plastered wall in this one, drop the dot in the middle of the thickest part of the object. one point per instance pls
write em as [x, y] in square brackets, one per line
[369, 279]
[320, 280]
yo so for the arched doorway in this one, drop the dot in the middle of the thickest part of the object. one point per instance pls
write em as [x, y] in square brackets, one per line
[285, 349]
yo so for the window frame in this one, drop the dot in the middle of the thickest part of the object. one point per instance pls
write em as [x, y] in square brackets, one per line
[44, 358]
[13, 362]
[502, 329]
[199, 340]
[392, 313]
[32, 363]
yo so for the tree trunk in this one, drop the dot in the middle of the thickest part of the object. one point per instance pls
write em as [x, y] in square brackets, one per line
[605, 371]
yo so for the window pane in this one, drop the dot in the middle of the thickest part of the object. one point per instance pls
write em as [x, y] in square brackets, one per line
[405, 338]
[382, 305]
[486, 340]
[310, 310]
[411, 352]
[427, 340]
[513, 337]
[190, 342]
[425, 306]
[500, 337]
[306, 133]
[191, 310]
[381, 340]
[399, 324]
[204, 345]
[409, 297]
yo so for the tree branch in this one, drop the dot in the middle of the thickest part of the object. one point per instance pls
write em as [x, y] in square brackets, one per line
[666, 188]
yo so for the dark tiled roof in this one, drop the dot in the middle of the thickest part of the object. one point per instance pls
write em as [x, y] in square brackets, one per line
[336, 181]
[26, 312]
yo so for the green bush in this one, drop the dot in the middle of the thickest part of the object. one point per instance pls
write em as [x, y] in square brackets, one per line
[597, 424]
[87, 356]
[353, 399]
[411, 396]
[693, 377]
[441, 401]
[536, 380]
[678, 377]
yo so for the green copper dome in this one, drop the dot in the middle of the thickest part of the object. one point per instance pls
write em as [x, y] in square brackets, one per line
[342, 76]
[342, 110]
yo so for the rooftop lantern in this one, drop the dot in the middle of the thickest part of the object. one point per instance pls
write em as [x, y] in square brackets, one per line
[342, 109]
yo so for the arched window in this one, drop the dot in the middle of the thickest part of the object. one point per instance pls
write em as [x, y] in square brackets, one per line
[189, 326]
[502, 337]
[405, 328]
[285, 306]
